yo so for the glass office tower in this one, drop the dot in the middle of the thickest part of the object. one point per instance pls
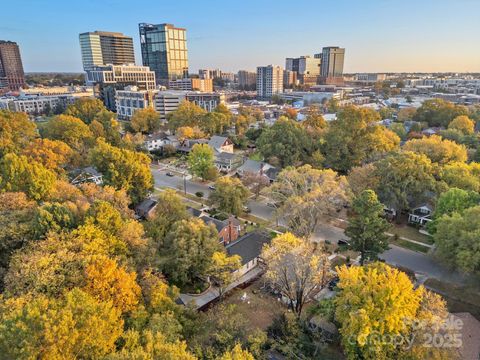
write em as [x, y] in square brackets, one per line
[164, 50]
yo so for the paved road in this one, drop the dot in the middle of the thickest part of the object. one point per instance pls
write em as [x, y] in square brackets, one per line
[415, 261]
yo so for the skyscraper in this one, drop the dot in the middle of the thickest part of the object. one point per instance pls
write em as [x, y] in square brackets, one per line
[102, 48]
[269, 81]
[246, 80]
[332, 64]
[12, 77]
[164, 50]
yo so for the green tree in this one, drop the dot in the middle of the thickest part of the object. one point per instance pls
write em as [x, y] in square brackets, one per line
[355, 137]
[146, 121]
[123, 169]
[16, 131]
[438, 112]
[18, 173]
[367, 227]
[214, 123]
[85, 109]
[107, 127]
[285, 143]
[404, 178]
[399, 129]
[188, 251]
[452, 201]
[201, 160]
[456, 238]
[230, 195]
[169, 210]
[52, 217]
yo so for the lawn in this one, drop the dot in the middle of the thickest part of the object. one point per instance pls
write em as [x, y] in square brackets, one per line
[411, 233]
[459, 298]
[409, 245]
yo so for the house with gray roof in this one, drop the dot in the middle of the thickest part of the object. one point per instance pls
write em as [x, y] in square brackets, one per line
[221, 144]
[258, 168]
[249, 247]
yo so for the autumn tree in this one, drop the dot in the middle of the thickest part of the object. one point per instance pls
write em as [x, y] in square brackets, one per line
[16, 131]
[85, 109]
[461, 175]
[366, 228]
[71, 130]
[52, 154]
[255, 182]
[188, 251]
[296, 268]
[362, 178]
[404, 179]
[285, 143]
[230, 195]
[355, 137]
[106, 281]
[456, 238]
[123, 169]
[314, 120]
[146, 121]
[187, 132]
[187, 114]
[377, 301]
[406, 114]
[437, 149]
[222, 270]
[201, 160]
[214, 122]
[291, 113]
[438, 112]
[18, 173]
[462, 123]
[72, 326]
[237, 353]
[105, 125]
[306, 194]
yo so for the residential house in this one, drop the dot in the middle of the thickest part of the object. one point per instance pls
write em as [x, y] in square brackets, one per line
[187, 145]
[86, 175]
[158, 140]
[421, 215]
[248, 247]
[221, 144]
[228, 230]
[145, 209]
[258, 168]
[226, 162]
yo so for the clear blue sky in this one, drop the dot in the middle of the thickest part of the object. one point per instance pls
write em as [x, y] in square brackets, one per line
[379, 35]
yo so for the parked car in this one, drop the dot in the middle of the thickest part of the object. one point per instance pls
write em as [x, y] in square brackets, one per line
[343, 242]
[333, 283]
[247, 210]
[169, 174]
[211, 187]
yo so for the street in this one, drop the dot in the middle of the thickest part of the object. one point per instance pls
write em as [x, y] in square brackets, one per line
[415, 261]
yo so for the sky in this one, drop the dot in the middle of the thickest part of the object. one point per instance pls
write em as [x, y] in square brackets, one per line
[379, 35]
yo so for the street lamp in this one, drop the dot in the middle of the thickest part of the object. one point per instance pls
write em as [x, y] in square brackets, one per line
[185, 183]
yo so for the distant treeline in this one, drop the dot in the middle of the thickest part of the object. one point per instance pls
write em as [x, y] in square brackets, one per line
[55, 79]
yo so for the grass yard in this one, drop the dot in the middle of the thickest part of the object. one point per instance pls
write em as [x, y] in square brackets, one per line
[409, 245]
[260, 308]
[411, 233]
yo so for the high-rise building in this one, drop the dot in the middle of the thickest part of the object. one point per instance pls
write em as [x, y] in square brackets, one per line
[12, 77]
[306, 68]
[247, 79]
[109, 78]
[164, 50]
[102, 48]
[332, 64]
[269, 81]
[289, 78]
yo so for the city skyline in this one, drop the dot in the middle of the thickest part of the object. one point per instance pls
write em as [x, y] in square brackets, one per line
[380, 36]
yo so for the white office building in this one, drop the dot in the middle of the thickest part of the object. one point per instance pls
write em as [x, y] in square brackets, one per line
[269, 81]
